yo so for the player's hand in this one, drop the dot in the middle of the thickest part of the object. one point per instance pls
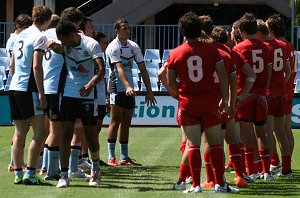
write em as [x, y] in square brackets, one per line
[223, 106]
[42, 101]
[130, 92]
[85, 91]
[240, 97]
[51, 44]
[231, 111]
[150, 100]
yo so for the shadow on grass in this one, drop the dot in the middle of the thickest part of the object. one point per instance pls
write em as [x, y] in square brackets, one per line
[282, 186]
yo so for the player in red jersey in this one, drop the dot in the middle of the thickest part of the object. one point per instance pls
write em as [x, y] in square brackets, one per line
[194, 63]
[277, 94]
[252, 108]
[277, 30]
[229, 127]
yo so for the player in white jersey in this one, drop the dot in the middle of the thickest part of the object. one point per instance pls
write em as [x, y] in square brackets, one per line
[22, 22]
[121, 53]
[85, 68]
[54, 75]
[27, 88]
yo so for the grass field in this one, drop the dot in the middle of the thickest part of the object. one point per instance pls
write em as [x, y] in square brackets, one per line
[158, 150]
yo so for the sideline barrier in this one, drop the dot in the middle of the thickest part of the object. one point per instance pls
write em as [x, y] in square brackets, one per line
[163, 114]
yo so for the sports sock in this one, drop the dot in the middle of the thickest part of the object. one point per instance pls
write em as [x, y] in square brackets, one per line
[123, 150]
[242, 151]
[11, 163]
[274, 159]
[217, 163]
[194, 158]
[236, 158]
[209, 172]
[265, 159]
[45, 157]
[286, 164]
[74, 158]
[182, 173]
[182, 147]
[95, 165]
[53, 161]
[111, 144]
[30, 171]
[249, 156]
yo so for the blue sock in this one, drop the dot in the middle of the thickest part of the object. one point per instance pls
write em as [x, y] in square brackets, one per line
[111, 150]
[30, 172]
[19, 174]
[95, 166]
[45, 158]
[64, 174]
[123, 151]
[74, 159]
[53, 159]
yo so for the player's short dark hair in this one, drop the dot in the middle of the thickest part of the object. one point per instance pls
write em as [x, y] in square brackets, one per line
[236, 32]
[23, 21]
[190, 25]
[54, 21]
[84, 22]
[219, 35]
[72, 14]
[65, 28]
[98, 36]
[262, 27]
[206, 24]
[248, 24]
[276, 25]
[41, 14]
[118, 22]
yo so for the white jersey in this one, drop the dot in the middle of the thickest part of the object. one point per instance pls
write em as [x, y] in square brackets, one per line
[80, 66]
[28, 41]
[10, 44]
[126, 54]
[52, 65]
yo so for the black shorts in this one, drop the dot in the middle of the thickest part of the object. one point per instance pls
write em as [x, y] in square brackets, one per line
[24, 105]
[101, 112]
[52, 109]
[73, 108]
[122, 100]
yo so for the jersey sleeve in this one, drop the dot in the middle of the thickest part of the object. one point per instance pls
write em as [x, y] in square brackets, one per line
[113, 54]
[40, 43]
[96, 51]
[138, 56]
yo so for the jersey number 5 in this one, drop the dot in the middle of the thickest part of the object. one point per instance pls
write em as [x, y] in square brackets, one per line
[258, 62]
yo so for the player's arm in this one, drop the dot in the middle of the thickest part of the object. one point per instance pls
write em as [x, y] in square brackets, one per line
[39, 77]
[149, 94]
[221, 72]
[171, 81]
[99, 75]
[162, 75]
[270, 68]
[12, 64]
[251, 77]
[287, 70]
[120, 69]
[56, 47]
[233, 88]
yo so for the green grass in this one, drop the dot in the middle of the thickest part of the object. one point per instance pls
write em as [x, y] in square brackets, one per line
[158, 150]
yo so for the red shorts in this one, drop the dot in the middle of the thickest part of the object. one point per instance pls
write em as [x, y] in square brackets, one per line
[277, 105]
[253, 108]
[205, 119]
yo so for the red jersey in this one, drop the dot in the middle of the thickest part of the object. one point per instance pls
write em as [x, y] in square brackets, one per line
[293, 62]
[194, 63]
[279, 55]
[257, 55]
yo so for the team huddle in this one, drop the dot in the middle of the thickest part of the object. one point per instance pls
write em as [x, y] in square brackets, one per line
[235, 86]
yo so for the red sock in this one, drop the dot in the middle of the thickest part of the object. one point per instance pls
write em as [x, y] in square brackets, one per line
[209, 171]
[249, 155]
[286, 164]
[236, 158]
[217, 163]
[188, 173]
[194, 158]
[242, 151]
[182, 173]
[182, 147]
[274, 159]
[265, 158]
